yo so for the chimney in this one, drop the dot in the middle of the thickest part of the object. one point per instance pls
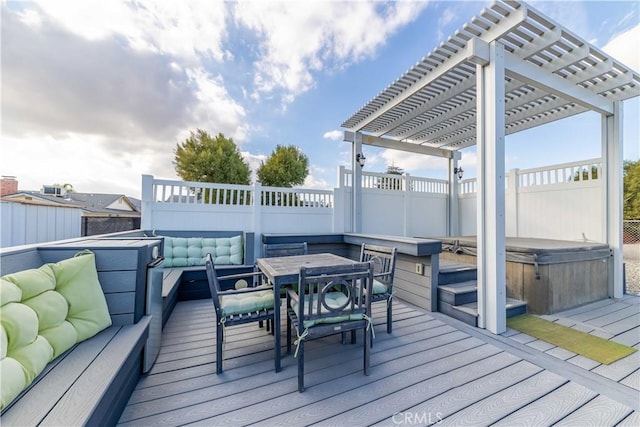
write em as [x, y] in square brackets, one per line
[8, 185]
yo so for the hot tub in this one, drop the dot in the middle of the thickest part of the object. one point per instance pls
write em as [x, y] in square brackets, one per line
[550, 275]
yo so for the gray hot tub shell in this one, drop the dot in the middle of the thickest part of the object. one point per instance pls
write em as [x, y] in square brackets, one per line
[550, 275]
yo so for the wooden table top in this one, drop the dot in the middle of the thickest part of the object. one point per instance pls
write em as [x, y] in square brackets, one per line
[286, 269]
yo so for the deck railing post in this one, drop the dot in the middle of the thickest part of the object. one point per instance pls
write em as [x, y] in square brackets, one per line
[406, 229]
[256, 202]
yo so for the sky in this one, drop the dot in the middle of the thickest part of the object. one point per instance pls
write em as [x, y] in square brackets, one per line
[97, 93]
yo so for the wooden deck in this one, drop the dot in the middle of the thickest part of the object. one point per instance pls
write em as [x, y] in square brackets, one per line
[432, 369]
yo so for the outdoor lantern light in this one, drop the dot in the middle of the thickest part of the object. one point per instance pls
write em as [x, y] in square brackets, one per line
[459, 172]
[360, 158]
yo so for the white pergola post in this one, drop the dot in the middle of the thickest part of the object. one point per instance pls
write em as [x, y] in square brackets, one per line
[612, 158]
[356, 205]
[490, 87]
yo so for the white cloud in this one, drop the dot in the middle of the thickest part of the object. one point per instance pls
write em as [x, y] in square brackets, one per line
[316, 183]
[624, 47]
[254, 161]
[215, 109]
[52, 160]
[298, 39]
[334, 135]
[56, 82]
[181, 28]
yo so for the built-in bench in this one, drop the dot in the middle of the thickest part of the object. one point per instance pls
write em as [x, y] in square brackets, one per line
[183, 281]
[90, 383]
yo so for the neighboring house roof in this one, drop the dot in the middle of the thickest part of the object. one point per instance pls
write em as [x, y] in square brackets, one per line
[91, 203]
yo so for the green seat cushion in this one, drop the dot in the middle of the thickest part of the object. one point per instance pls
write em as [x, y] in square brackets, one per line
[191, 251]
[45, 311]
[247, 302]
[379, 287]
[333, 300]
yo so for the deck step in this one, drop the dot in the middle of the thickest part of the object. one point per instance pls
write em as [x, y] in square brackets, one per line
[455, 272]
[459, 293]
[468, 313]
[516, 307]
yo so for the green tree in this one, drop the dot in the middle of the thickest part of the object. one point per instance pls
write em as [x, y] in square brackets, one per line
[631, 192]
[202, 158]
[285, 167]
[585, 174]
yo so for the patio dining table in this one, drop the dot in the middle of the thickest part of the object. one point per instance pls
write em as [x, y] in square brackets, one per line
[282, 271]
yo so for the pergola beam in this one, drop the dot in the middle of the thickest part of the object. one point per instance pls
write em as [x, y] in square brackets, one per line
[393, 144]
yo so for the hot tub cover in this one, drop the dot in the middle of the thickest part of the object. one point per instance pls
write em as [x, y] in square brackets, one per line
[533, 251]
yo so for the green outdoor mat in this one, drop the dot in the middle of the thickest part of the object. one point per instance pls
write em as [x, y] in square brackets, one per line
[595, 348]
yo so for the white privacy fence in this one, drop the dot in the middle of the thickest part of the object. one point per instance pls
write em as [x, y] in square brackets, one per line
[560, 201]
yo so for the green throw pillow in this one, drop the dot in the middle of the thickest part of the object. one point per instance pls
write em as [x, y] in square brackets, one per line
[45, 311]
[77, 281]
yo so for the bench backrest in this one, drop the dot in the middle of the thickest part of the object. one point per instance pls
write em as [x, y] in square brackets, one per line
[248, 239]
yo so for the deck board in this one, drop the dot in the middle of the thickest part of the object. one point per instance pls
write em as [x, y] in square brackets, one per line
[509, 396]
[550, 408]
[428, 367]
[421, 385]
[600, 411]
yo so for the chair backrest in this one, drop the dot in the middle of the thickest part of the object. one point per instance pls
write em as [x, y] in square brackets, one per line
[384, 262]
[284, 249]
[214, 284]
[323, 284]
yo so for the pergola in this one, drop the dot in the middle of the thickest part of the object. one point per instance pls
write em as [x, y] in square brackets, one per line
[511, 68]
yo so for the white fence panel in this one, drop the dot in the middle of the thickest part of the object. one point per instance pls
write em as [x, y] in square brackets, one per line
[571, 211]
[468, 214]
[383, 212]
[284, 220]
[24, 224]
[555, 202]
[428, 215]
[175, 216]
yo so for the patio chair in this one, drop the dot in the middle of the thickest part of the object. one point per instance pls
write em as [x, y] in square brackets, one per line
[237, 306]
[330, 306]
[284, 249]
[384, 264]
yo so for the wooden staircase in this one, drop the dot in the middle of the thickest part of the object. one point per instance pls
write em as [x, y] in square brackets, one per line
[458, 293]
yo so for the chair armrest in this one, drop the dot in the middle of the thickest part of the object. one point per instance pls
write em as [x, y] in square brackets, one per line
[293, 295]
[240, 275]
